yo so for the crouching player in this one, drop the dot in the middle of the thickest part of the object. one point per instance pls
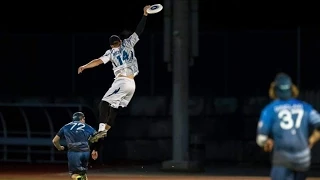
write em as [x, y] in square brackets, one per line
[284, 129]
[77, 134]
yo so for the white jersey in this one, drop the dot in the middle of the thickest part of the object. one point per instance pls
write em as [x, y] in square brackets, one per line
[123, 58]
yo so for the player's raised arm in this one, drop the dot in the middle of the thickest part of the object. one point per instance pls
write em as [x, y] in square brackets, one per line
[134, 38]
[96, 62]
[314, 121]
[142, 22]
[263, 130]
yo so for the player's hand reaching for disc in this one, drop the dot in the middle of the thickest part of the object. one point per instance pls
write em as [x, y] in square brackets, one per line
[145, 10]
[80, 69]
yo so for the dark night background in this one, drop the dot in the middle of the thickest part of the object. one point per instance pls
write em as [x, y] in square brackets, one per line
[236, 41]
[242, 45]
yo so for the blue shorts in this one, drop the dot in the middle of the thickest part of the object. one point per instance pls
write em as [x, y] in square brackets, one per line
[283, 173]
[78, 162]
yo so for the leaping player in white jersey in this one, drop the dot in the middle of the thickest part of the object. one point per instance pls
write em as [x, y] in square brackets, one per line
[125, 67]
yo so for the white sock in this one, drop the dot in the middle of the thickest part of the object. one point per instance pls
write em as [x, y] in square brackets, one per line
[102, 127]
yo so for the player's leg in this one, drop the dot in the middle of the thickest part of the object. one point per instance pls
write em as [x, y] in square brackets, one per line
[105, 111]
[109, 104]
[107, 107]
[301, 165]
[107, 115]
[115, 98]
[75, 165]
[300, 175]
[131, 87]
[121, 99]
[105, 123]
[73, 160]
[84, 158]
[281, 173]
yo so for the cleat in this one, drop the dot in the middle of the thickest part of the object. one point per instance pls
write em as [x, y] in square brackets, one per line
[97, 136]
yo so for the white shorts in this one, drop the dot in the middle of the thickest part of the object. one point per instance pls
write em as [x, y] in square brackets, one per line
[120, 93]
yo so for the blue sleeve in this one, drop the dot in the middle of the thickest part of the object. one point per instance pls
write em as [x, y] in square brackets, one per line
[91, 130]
[265, 122]
[61, 132]
[314, 117]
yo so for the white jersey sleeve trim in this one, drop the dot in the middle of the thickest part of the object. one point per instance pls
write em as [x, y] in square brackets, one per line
[131, 41]
[106, 57]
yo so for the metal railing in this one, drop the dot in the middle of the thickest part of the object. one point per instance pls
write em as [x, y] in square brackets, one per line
[12, 139]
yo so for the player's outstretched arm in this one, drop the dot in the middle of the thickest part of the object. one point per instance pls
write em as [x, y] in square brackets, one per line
[91, 64]
[142, 22]
[134, 38]
[96, 62]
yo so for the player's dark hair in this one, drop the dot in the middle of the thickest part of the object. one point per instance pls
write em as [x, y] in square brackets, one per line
[114, 39]
[77, 116]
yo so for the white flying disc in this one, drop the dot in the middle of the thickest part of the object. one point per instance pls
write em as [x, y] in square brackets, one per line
[154, 9]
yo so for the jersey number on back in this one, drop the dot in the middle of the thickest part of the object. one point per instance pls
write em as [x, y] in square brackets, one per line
[125, 57]
[290, 118]
[79, 126]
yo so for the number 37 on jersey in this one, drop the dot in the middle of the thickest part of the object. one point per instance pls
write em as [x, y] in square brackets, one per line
[290, 118]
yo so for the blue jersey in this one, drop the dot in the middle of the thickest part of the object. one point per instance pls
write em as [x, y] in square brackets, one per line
[77, 135]
[288, 122]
